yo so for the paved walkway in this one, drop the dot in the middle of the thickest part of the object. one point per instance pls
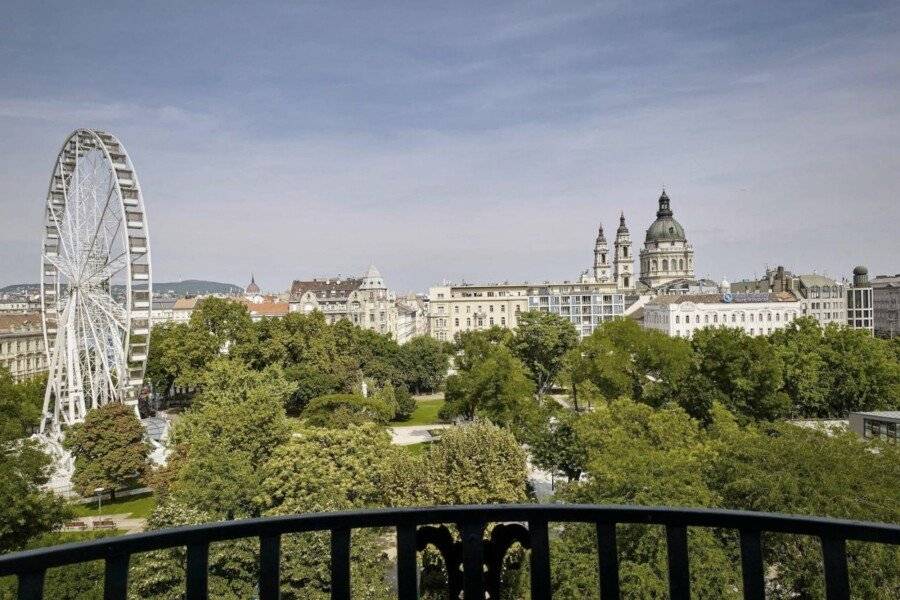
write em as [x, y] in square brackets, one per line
[414, 434]
[123, 522]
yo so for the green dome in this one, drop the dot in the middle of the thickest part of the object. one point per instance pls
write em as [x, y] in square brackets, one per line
[665, 228]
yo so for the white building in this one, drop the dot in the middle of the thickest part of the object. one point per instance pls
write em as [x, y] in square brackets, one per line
[412, 318]
[585, 304]
[162, 311]
[860, 302]
[468, 307]
[821, 297]
[22, 345]
[364, 301]
[666, 255]
[755, 313]
[886, 304]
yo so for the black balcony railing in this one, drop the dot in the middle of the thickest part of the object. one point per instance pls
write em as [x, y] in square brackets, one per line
[479, 558]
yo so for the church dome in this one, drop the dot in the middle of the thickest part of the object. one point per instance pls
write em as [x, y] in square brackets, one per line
[252, 288]
[665, 228]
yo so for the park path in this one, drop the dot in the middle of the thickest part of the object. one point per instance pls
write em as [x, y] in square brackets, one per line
[406, 435]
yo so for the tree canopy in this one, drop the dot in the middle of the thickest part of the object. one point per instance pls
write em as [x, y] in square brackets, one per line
[109, 449]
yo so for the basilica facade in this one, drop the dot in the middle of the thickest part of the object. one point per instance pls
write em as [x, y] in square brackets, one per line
[667, 255]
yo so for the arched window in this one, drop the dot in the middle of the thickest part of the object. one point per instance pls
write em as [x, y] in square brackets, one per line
[626, 281]
[625, 251]
[678, 319]
[653, 264]
[665, 264]
[681, 264]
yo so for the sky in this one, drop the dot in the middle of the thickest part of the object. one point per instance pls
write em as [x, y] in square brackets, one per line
[483, 141]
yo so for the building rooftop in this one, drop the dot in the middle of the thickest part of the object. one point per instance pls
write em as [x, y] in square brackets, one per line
[884, 414]
[337, 286]
[19, 322]
[725, 298]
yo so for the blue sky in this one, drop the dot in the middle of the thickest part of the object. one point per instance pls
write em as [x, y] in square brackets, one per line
[482, 141]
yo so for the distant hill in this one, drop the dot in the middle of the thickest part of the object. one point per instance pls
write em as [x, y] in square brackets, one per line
[188, 287]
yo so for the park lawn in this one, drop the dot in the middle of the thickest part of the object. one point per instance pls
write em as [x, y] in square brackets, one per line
[426, 413]
[416, 449]
[136, 506]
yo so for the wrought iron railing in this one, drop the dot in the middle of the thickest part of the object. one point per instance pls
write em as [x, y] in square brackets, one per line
[473, 562]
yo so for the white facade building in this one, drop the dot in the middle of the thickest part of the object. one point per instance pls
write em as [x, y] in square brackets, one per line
[755, 313]
[666, 255]
[22, 345]
[364, 301]
[468, 307]
[886, 305]
[821, 297]
[586, 305]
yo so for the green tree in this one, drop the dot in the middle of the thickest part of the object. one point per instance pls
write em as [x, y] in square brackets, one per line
[473, 347]
[406, 404]
[541, 341]
[338, 411]
[323, 470]
[555, 445]
[161, 574]
[20, 405]
[423, 361]
[862, 372]
[799, 346]
[109, 449]
[623, 359]
[742, 372]
[225, 439]
[497, 387]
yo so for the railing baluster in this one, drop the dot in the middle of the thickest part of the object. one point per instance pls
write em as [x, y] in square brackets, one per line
[837, 582]
[540, 560]
[752, 565]
[473, 558]
[270, 567]
[197, 571]
[115, 577]
[407, 577]
[608, 561]
[31, 585]
[340, 564]
[679, 575]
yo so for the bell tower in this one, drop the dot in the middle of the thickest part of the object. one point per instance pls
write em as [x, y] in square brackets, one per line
[623, 264]
[601, 258]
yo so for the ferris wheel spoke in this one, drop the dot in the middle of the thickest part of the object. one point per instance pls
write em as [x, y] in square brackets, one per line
[112, 310]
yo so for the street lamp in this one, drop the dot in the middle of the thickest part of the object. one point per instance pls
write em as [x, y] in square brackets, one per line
[99, 491]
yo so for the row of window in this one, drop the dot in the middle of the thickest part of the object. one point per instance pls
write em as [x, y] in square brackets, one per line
[753, 331]
[788, 316]
[29, 345]
[886, 430]
[479, 322]
[479, 309]
[654, 265]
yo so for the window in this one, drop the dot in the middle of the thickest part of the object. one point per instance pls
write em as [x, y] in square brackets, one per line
[502, 308]
[687, 318]
[456, 322]
[733, 318]
[681, 264]
[871, 428]
[625, 251]
[626, 281]
[468, 322]
[715, 318]
[706, 318]
[491, 321]
[456, 310]
[665, 264]
[678, 319]
[503, 320]
[491, 308]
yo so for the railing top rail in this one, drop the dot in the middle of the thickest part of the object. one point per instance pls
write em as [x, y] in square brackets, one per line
[42, 558]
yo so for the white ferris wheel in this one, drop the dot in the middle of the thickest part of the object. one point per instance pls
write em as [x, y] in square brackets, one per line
[96, 288]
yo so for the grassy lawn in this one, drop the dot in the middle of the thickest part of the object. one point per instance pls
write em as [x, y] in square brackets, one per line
[426, 413]
[137, 506]
[416, 449]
